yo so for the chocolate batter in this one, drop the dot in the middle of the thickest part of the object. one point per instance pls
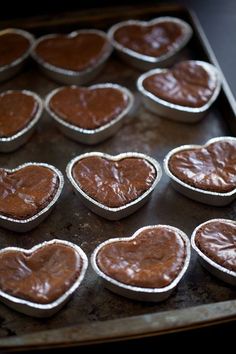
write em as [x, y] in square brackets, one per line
[152, 260]
[88, 108]
[17, 109]
[42, 276]
[217, 240]
[211, 168]
[153, 40]
[187, 84]
[25, 192]
[12, 47]
[73, 53]
[114, 183]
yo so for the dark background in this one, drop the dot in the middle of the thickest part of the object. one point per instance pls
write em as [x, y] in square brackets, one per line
[218, 19]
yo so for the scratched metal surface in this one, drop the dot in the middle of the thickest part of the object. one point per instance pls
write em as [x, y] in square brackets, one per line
[71, 221]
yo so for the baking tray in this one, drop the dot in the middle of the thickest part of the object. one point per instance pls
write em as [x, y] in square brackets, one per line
[95, 314]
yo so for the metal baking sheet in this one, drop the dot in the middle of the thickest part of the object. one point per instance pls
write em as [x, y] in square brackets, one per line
[94, 314]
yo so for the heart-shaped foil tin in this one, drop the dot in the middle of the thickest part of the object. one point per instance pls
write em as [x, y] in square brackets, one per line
[147, 62]
[16, 140]
[221, 246]
[68, 76]
[175, 111]
[201, 195]
[24, 225]
[155, 294]
[12, 68]
[31, 308]
[92, 136]
[114, 213]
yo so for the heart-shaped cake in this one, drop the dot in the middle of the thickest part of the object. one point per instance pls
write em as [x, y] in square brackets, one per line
[152, 40]
[26, 191]
[114, 183]
[41, 276]
[17, 109]
[88, 108]
[217, 240]
[211, 167]
[183, 93]
[113, 186]
[15, 48]
[152, 260]
[39, 281]
[187, 84]
[13, 45]
[215, 243]
[77, 51]
[144, 44]
[89, 115]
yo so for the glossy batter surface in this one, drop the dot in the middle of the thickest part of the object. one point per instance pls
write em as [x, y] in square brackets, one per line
[187, 84]
[211, 168]
[152, 260]
[154, 40]
[114, 183]
[42, 276]
[88, 108]
[25, 192]
[75, 53]
[16, 111]
[12, 47]
[217, 240]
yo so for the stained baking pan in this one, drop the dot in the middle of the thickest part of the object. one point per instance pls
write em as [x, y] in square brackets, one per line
[96, 314]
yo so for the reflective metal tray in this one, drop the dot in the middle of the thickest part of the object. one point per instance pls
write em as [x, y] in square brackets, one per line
[95, 314]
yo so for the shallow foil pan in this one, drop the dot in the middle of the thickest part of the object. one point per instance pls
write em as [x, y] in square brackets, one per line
[24, 225]
[214, 268]
[13, 142]
[92, 136]
[101, 209]
[200, 195]
[10, 70]
[139, 293]
[147, 62]
[174, 111]
[71, 77]
[44, 310]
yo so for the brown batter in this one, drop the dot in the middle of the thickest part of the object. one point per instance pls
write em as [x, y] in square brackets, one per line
[40, 277]
[25, 192]
[12, 47]
[217, 240]
[88, 108]
[73, 53]
[211, 168]
[154, 40]
[152, 260]
[17, 109]
[187, 84]
[114, 183]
